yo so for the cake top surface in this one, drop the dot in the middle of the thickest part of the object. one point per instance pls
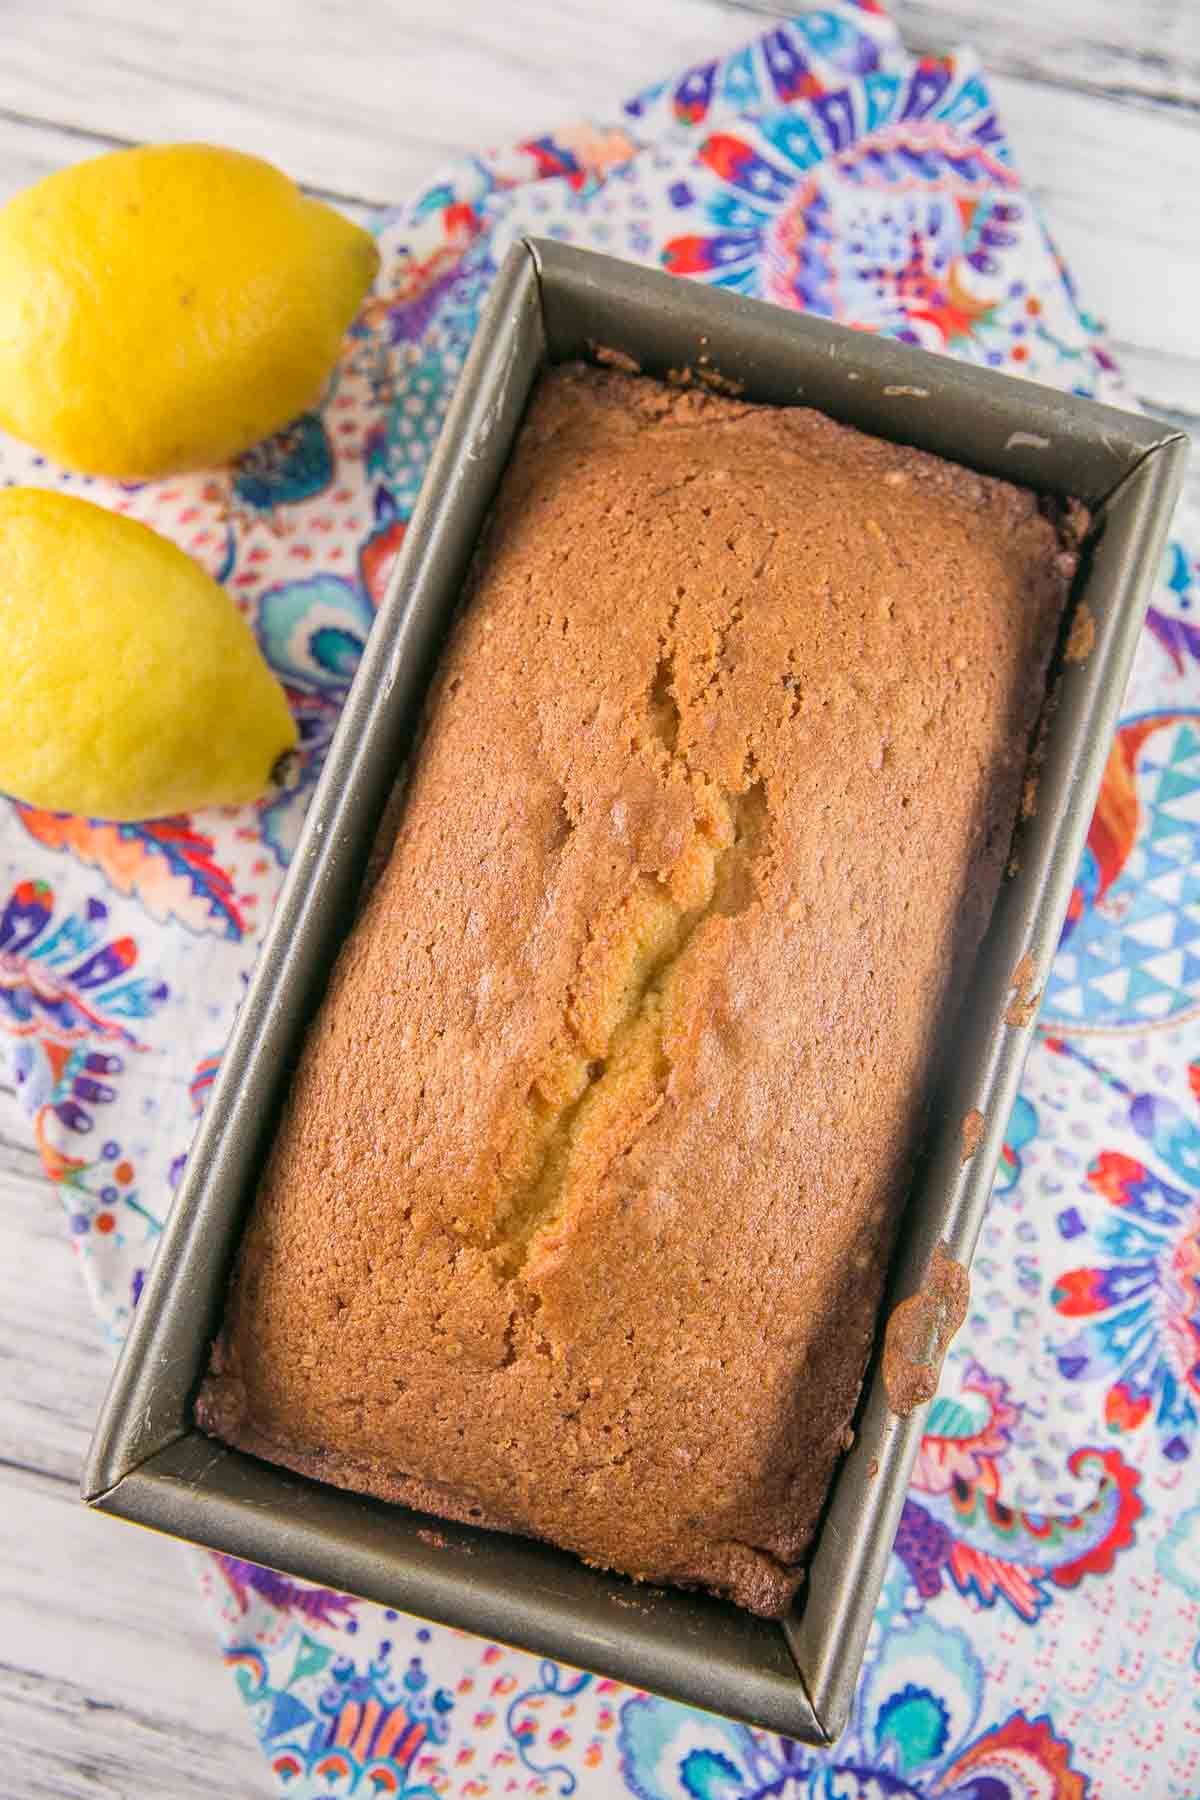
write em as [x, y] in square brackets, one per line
[579, 1211]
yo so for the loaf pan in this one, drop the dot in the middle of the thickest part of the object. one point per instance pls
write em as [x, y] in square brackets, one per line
[149, 1463]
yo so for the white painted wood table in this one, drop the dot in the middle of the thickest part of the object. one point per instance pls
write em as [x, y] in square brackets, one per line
[1102, 99]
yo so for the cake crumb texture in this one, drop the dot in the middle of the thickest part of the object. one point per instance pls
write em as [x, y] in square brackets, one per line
[972, 1133]
[919, 1331]
[578, 1214]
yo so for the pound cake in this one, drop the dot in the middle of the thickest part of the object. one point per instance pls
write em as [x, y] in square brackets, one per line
[578, 1215]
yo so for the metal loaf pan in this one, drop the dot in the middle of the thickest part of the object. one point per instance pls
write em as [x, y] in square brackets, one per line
[149, 1463]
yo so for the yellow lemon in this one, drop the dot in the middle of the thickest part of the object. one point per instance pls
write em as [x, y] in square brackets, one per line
[132, 685]
[166, 307]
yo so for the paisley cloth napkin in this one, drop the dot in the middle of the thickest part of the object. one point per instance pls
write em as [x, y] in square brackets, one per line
[1038, 1635]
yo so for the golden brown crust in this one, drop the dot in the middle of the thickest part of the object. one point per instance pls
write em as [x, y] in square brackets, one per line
[972, 1133]
[578, 1215]
[918, 1333]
